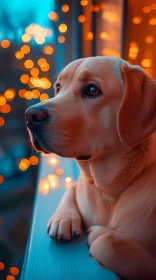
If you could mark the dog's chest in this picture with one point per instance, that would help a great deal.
(92, 205)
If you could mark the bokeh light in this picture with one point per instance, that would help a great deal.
(59, 171)
(28, 63)
(19, 54)
(53, 16)
(21, 92)
(33, 160)
(25, 49)
(65, 8)
(48, 50)
(61, 39)
(9, 94)
(81, 18)
(2, 100)
(26, 38)
(62, 28)
(42, 62)
(1, 263)
(10, 277)
(40, 39)
(84, 2)
(149, 39)
(14, 271)
(28, 95)
(36, 93)
(34, 72)
(2, 121)
(152, 21)
(5, 44)
(104, 35)
(137, 20)
(44, 96)
(90, 36)
(24, 78)
(5, 108)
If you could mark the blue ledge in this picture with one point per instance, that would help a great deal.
(44, 259)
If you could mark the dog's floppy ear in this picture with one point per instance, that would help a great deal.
(136, 119)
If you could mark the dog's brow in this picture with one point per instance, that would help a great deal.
(83, 75)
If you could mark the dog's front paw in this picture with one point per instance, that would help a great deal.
(94, 233)
(64, 226)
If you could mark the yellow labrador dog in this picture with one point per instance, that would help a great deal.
(104, 115)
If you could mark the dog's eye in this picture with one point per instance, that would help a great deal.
(57, 87)
(92, 91)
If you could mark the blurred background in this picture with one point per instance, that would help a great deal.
(37, 39)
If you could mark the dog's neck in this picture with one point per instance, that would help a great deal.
(115, 174)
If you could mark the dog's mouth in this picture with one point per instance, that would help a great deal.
(84, 157)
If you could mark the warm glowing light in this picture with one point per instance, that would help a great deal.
(42, 62)
(2, 121)
(25, 162)
(34, 72)
(111, 52)
(81, 18)
(30, 29)
(104, 35)
(26, 38)
(28, 95)
(152, 21)
(33, 160)
(53, 161)
(45, 83)
(94, 8)
(153, 6)
(90, 36)
(59, 171)
(61, 39)
(19, 55)
(24, 78)
(1, 264)
(133, 50)
(22, 166)
(2, 100)
(48, 32)
(110, 16)
(65, 8)
(10, 277)
(84, 2)
(146, 10)
(36, 93)
(14, 270)
(5, 108)
(21, 93)
(5, 44)
(62, 28)
(43, 186)
(40, 39)
(137, 20)
(25, 49)
(53, 180)
(53, 16)
(149, 39)
(68, 179)
(48, 50)
(45, 68)
(44, 96)
(28, 63)
(9, 93)
(146, 62)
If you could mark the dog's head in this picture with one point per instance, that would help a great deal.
(99, 104)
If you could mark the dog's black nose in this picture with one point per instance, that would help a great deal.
(35, 116)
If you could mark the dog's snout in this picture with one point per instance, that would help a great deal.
(35, 116)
